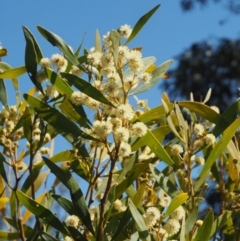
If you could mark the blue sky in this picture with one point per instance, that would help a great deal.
(167, 34)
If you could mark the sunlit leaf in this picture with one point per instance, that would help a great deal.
(61, 85)
(208, 95)
(41, 212)
(115, 38)
(141, 22)
(142, 229)
(98, 45)
(4, 235)
(176, 202)
(65, 203)
(13, 73)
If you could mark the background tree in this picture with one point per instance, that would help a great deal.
(203, 65)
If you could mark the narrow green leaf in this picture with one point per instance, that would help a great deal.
(204, 231)
(176, 202)
(77, 236)
(157, 148)
(220, 146)
(229, 116)
(170, 121)
(115, 38)
(208, 95)
(3, 93)
(219, 222)
(98, 45)
(159, 133)
(2, 168)
(65, 203)
(48, 237)
(4, 74)
(142, 229)
(8, 235)
(203, 110)
(164, 182)
(32, 58)
(53, 117)
(76, 194)
(155, 114)
(60, 84)
(157, 74)
(41, 212)
(191, 219)
(141, 22)
(86, 88)
(26, 120)
(55, 40)
(134, 173)
(182, 233)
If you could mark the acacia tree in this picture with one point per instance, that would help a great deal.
(137, 188)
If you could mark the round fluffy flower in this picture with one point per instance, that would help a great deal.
(176, 149)
(199, 222)
(102, 128)
(123, 52)
(164, 199)
(198, 129)
(124, 149)
(161, 234)
(121, 134)
(139, 129)
(145, 77)
(51, 91)
(124, 112)
(187, 157)
(59, 61)
(135, 60)
(107, 40)
(73, 221)
(118, 205)
(172, 226)
(151, 216)
(200, 160)
(94, 58)
(107, 60)
(125, 30)
(45, 62)
(209, 139)
(112, 77)
(78, 98)
(41, 76)
(111, 88)
(75, 70)
(116, 123)
(198, 144)
(178, 213)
